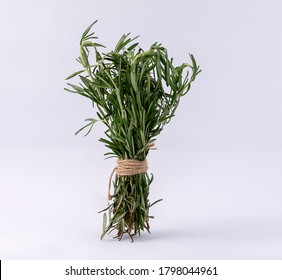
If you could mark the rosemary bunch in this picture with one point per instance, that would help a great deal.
(136, 93)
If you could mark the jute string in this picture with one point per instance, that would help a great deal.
(129, 167)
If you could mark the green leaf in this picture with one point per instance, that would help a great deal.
(120, 42)
(75, 87)
(133, 46)
(87, 30)
(91, 123)
(117, 218)
(84, 57)
(104, 222)
(74, 74)
(133, 80)
(91, 44)
(159, 200)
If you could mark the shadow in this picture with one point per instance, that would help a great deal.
(230, 229)
(241, 229)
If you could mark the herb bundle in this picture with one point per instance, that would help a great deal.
(136, 93)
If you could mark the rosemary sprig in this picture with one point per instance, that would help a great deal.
(136, 93)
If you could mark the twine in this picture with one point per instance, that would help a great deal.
(129, 167)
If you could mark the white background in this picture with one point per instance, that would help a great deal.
(218, 163)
